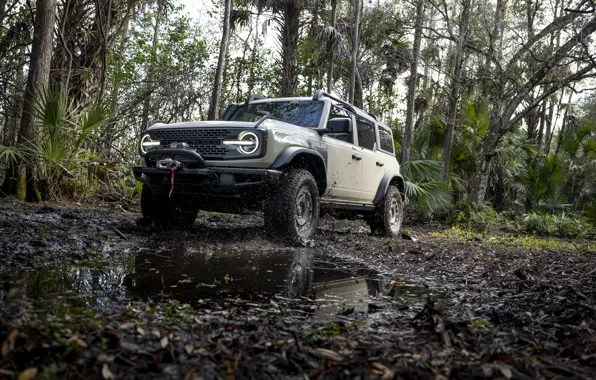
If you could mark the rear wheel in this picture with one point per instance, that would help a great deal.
(388, 217)
(170, 212)
(293, 211)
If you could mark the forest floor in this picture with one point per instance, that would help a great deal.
(98, 293)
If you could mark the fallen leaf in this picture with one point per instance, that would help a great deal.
(188, 349)
(28, 374)
(505, 370)
(164, 342)
(324, 353)
(126, 326)
(156, 333)
(8, 344)
(140, 331)
(106, 373)
(203, 351)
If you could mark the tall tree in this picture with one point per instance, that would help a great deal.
(510, 106)
(150, 79)
(412, 81)
(289, 29)
(221, 60)
(332, 43)
(37, 79)
(354, 52)
(455, 86)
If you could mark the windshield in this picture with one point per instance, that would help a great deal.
(304, 113)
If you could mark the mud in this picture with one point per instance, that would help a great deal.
(95, 293)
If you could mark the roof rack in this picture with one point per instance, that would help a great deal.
(253, 97)
(322, 93)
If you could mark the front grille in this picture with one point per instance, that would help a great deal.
(205, 141)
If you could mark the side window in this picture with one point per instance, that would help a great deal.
(339, 112)
(366, 133)
(386, 140)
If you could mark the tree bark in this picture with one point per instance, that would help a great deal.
(37, 80)
(455, 85)
(412, 82)
(354, 53)
(330, 69)
(290, 34)
(213, 112)
(151, 67)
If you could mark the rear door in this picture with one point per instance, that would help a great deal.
(344, 170)
(372, 167)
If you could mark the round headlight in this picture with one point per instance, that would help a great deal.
(251, 142)
(146, 144)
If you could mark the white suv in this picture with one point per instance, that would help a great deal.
(289, 157)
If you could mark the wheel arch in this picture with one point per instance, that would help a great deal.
(393, 178)
(297, 157)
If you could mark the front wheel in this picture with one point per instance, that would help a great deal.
(293, 212)
(389, 215)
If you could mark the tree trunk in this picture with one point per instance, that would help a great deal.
(221, 61)
(37, 80)
(354, 53)
(290, 34)
(331, 48)
(151, 67)
(412, 82)
(455, 85)
(312, 34)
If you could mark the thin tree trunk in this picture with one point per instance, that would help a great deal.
(213, 112)
(412, 82)
(455, 85)
(549, 126)
(151, 67)
(37, 80)
(331, 48)
(354, 53)
(541, 134)
(312, 34)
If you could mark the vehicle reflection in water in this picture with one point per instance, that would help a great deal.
(194, 272)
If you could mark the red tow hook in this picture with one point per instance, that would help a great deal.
(173, 170)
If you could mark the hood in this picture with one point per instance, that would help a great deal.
(203, 124)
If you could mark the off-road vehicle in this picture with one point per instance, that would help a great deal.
(292, 158)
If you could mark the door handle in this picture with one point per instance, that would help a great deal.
(356, 157)
(380, 163)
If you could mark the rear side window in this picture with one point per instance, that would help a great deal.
(366, 133)
(386, 140)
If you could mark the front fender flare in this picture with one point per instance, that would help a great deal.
(392, 178)
(314, 162)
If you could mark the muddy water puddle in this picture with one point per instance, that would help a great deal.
(196, 273)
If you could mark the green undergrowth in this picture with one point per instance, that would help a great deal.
(484, 219)
(523, 242)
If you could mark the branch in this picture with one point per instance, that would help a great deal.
(557, 24)
(582, 74)
(557, 57)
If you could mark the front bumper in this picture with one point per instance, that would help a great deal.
(194, 177)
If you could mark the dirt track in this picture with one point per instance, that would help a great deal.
(95, 293)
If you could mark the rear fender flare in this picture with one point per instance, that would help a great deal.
(393, 178)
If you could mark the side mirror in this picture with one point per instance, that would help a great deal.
(338, 125)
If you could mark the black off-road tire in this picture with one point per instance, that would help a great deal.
(389, 215)
(292, 212)
(168, 212)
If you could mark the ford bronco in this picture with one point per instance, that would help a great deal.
(292, 158)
